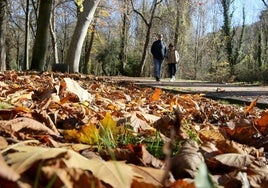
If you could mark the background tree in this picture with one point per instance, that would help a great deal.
(232, 51)
(52, 31)
(41, 39)
(3, 25)
(83, 22)
(265, 2)
(25, 65)
(149, 24)
(124, 35)
(196, 27)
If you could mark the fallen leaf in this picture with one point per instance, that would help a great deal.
(88, 134)
(108, 123)
(186, 162)
(251, 106)
(263, 120)
(6, 172)
(25, 126)
(156, 94)
(117, 174)
(73, 87)
(72, 177)
(234, 160)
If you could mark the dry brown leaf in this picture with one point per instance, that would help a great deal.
(25, 126)
(6, 172)
(71, 177)
(234, 160)
(241, 130)
(138, 124)
(186, 162)
(73, 87)
(210, 135)
(10, 113)
(147, 177)
(3, 143)
(117, 174)
(150, 160)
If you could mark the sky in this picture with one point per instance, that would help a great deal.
(252, 11)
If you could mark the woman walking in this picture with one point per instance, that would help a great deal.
(173, 59)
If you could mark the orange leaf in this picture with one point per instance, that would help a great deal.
(156, 94)
(263, 120)
(251, 106)
(182, 184)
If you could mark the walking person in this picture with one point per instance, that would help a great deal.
(173, 59)
(158, 50)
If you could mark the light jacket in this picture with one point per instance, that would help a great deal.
(173, 56)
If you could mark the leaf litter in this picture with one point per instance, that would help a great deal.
(75, 130)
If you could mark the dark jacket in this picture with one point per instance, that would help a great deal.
(158, 49)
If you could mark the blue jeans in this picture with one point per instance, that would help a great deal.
(157, 67)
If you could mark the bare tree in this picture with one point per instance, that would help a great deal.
(3, 19)
(53, 35)
(148, 24)
(89, 43)
(80, 32)
(265, 2)
(25, 64)
(41, 39)
(123, 35)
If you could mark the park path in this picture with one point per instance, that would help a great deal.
(240, 93)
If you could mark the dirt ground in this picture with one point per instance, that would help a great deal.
(239, 93)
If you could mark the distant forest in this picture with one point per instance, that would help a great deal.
(113, 37)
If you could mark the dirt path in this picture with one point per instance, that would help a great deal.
(234, 93)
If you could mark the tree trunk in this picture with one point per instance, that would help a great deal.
(231, 52)
(89, 43)
(53, 36)
(123, 40)
(25, 65)
(3, 19)
(40, 43)
(148, 32)
(75, 48)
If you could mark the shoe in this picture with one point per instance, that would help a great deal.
(157, 79)
(172, 79)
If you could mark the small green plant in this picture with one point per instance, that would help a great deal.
(223, 101)
(4, 105)
(193, 135)
(155, 145)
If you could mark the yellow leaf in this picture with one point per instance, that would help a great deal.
(79, 4)
(108, 123)
(88, 134)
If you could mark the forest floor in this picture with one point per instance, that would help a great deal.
(236, 93)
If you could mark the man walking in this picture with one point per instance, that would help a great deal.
(158, 50)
